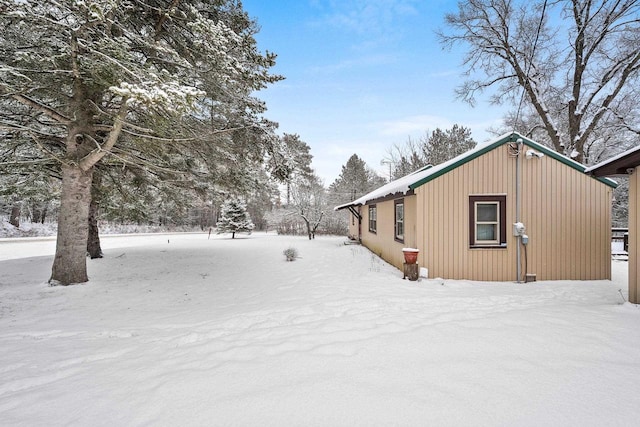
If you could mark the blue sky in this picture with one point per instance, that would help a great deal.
(362, 75)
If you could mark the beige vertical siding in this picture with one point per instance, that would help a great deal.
(353, 225)
(443, 212)
(382, 242)
(568, 219)
(634, 240)
(567, 215)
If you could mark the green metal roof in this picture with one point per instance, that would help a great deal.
(452, 164)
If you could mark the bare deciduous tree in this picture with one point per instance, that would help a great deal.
(308, 196)
(576, 61)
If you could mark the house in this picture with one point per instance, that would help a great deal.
(508, 210)
(627, 163)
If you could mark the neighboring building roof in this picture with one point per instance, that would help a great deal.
(618, 165)
(408, 183)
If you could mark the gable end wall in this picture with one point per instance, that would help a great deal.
(567, 215)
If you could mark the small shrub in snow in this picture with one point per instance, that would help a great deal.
(291, 254)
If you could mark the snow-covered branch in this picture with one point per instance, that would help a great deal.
(96, 155)
(50, 112)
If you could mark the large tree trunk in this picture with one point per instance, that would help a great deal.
(93, 241)
(36, 212)
(14, 217)
(45, 210)
(70, 262)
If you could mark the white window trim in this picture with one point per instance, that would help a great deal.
(373, 219)
(495, 223)
(396, 222)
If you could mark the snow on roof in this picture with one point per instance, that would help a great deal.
(403, 185)
(400, 185)
(613, 159)
(406, 183)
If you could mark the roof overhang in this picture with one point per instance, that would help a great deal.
(390, 196)
(513, 137)
(385, 198)
(406, 185)
(622, 164)
(349, 206)
(352, 207)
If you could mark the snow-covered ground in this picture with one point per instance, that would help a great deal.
(182, 330)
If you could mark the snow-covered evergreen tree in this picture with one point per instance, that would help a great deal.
(291, 161)
(234, 218)
(355, 180)
(162, 89)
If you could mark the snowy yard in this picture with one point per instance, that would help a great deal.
(179, 330)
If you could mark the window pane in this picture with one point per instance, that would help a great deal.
(373, 214)
(399, 221)
(487, 212)
(487, 232)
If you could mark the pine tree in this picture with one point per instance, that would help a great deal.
(234, 218)
(446, 144)
(355, 180)
(291, 161)
(431, 149)
(154, 86)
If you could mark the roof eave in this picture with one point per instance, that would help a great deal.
(346, 206)
(390, 196)
(621, 165)
(511, 138)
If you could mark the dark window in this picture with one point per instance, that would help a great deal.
(399, 220)
(487, 221)
(373, 218)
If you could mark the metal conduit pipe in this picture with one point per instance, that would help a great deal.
(520, 145)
